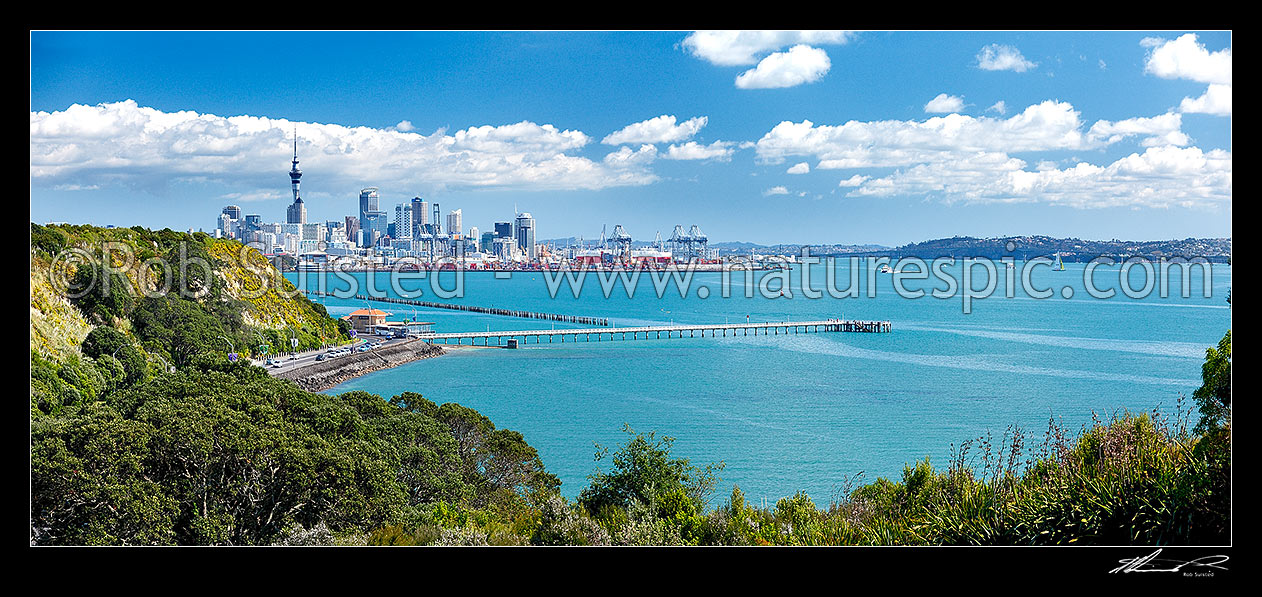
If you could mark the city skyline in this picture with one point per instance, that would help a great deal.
(766, 137)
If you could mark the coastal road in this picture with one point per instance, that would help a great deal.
(306, 358)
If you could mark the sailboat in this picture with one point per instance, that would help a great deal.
(1060, 265)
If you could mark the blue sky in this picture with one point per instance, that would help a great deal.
(815, 137)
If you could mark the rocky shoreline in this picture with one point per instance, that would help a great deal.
(321, 376)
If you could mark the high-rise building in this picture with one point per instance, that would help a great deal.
(503, 230)
(297, 212)
(454, 224)
(420, 216)
(352, 228)
(402, 221)
(225, 226)
(233, 212)
(372, 221)
(526, 235)
(488, 242)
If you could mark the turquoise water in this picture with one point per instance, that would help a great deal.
(804, 411)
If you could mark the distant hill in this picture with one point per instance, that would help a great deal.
(1070, 249)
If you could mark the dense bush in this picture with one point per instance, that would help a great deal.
(233, 456)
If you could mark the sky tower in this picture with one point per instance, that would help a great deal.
(297, 212)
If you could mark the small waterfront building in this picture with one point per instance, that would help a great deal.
(364, 319)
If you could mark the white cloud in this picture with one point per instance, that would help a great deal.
(1158, 130)
(853, 181)
(736, 48)
(625, 158)
(661, 129)
(943, 104)
(692, 150)
(1000, 107)
(801, 64)
(799, 168)
(1216, 100)
(1186, 58)
(1000, 57)
(405, 126)
(775, 191)
(1050, 125)
(964, 158)
(146, 148)
(1159, 177)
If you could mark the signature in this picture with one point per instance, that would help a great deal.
(1150, 563)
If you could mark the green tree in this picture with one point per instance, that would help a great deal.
(1214, 395)
(644, 472)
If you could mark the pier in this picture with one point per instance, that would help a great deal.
(662, 332)
(579, 319)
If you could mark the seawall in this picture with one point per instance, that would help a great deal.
(323, 375)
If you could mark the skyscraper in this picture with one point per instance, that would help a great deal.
(503, 230)
(233, 212)
(402, 221)
(420, 216)
(372, 221)
(352, 229)
(454, 224)
(526, 235)
(369, 201)
(297, 212)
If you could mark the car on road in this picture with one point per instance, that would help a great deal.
(320, 357)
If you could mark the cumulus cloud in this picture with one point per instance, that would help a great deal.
(1216, 100)
(1158, 130)
(964, 158)
(1159, 177)
(625, 158)
(775, 191)
(853, 181)
(801, 64)
(1000, 57)
(1050, 125)
(1187, 58)
(661, 129)
(405, 126)
(1000, 108)
(943, 104)
(799, 168)
(692, 150)
(130, 144)
(738, 48)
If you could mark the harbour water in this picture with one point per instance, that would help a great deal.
(804, 412)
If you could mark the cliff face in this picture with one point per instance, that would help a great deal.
(149, 262)
(57, 326)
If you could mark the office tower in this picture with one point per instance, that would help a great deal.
(224, 226)
(454, 225)
(352, 229)
(420, 216)
(403, 227)
(526, 235)
(233, 212)
(488, 242)
(297, 212)
(369, 202)
(503, 230)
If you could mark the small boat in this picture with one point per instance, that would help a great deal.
(886, 269)
(1060, 265)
